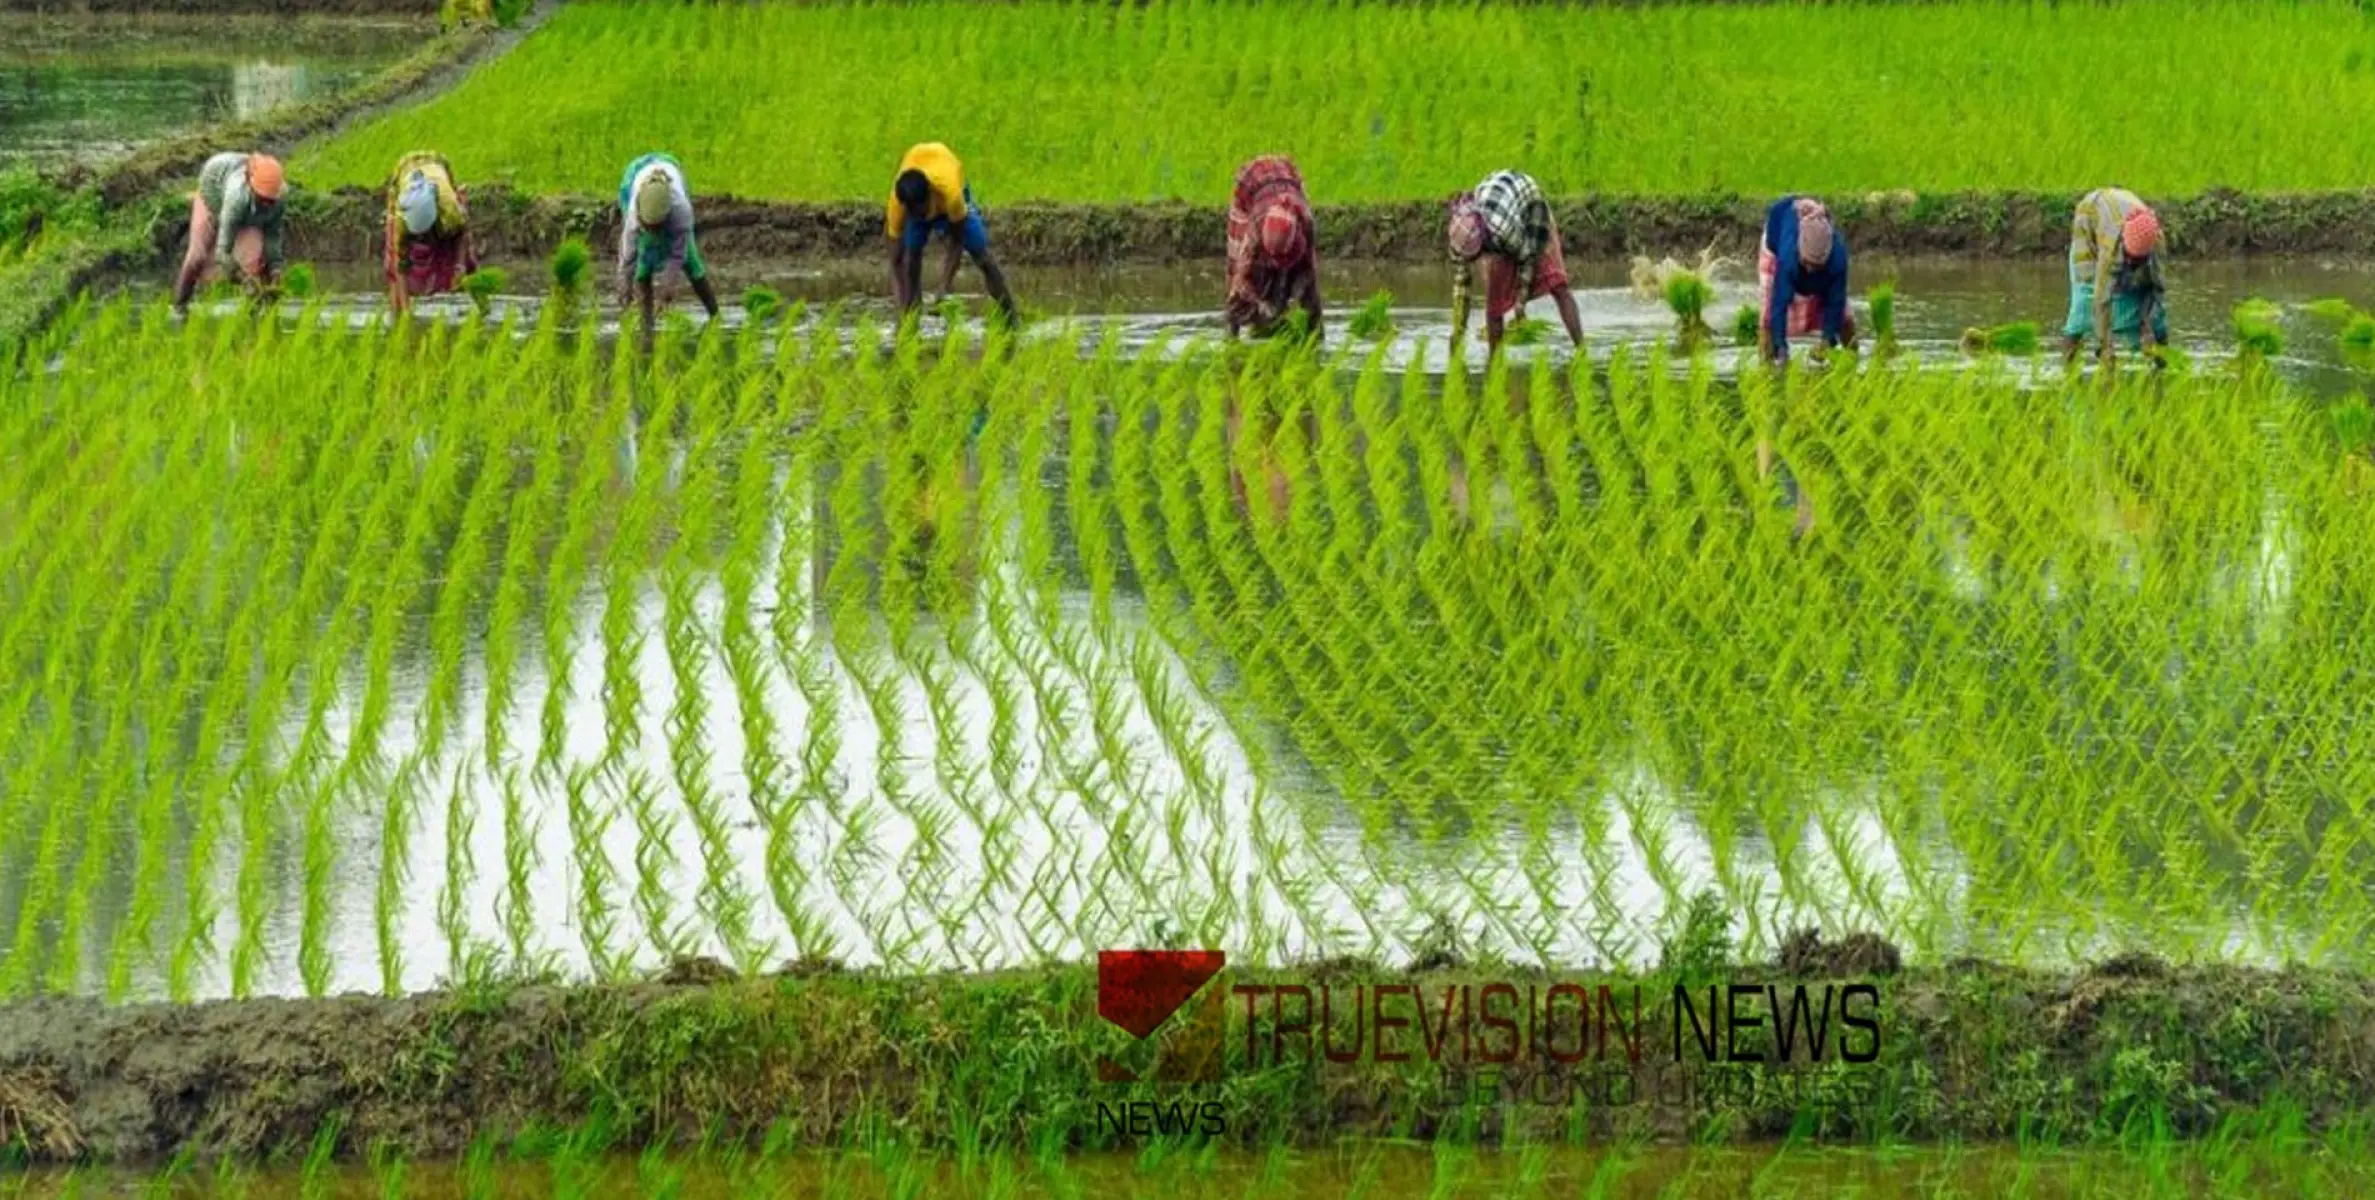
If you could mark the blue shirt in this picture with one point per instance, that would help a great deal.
(1792, 278)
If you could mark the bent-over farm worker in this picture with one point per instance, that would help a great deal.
(930, 196)
(1505, 225)
(236, 217)
(2115, 275)
(1801, 278)
(656, 233)
(1272, 264)
(428, 230)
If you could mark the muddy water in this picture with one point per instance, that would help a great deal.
(1937, 299)
(1352, 1169)
(94, 88)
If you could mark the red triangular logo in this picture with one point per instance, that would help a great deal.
(1140, 989)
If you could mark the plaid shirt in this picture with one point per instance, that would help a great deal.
(1517, 226)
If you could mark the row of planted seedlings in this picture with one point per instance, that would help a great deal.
(370, 662)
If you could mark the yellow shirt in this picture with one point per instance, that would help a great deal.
(948, 187)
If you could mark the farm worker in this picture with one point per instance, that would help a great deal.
(235, 216)
(1507, 225)
(930, 196)
(1272, 266)
(428, 234)
(656, 233)
(2115, 275)
(1801, 278)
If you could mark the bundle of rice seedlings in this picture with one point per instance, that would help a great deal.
(2258, 332)
(1688, 294)
(571, 260)
(2353, 423)
(298, 281)
(1744, 325)
(483, 284)
(1375, 320)
(2332, 308)
(2019, 337)
(761, 302)
(1525, 331)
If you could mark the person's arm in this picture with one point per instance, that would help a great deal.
(1459, 301)
(1565, 298)
(948, 266)
(626, 256)
(388, 261)
(899, 274)
(1785, 294)
(2106, 259)
(643, 300)
(2148, 307)
(1834, 297)
(276, 246)
(227, 222)
(914, 279)
(1311, 304)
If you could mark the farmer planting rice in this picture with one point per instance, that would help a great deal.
(428, 230)
(2115, 275)
(656, 233)
(235, 217)
(1507, 225)
(1801, 278)
(930, 196)
(1272, 263)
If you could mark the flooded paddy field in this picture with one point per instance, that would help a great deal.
(1143, 305)
(90, 89)
(366, 663)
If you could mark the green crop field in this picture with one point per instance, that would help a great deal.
(1133, 103)
(348, 661)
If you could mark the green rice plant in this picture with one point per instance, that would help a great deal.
(2258, 330)
(2018, 338)
(2358, 333)
(2332, 308)
(761, 302)
(572, 261)
(1687, 296)
(1525, 331)
(483, 285)
(1744, 326)
(1374, 320)
(297, 282)
(1198, 78)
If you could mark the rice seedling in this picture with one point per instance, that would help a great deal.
(483, 285)
(1374, 320)
(2259, 332)
(1744, 326)
(2016, 338)
(571, 260)
(761, 302)
(297, 282)
(1881, 302)
(1687, 295)
(1525, 331)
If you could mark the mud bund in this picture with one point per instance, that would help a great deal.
(1967, 1050)
(327, 8)
(346, 226)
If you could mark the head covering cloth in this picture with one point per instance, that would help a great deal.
(264, 176)
(2140, 234)
(1814, 232)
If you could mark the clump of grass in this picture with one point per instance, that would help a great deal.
(2258, 329)
(1744, 326)
(483, 284)
(761, 302)
(1375, 320)
(571, 260)
(298, 282)
(2018, 337)
(1883, 303)
(1687, 294)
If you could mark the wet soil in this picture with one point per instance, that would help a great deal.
(410, 8)
(1966, 1050)
(346, 224)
